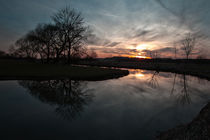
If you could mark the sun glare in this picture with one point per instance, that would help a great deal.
(139, 56)
(142, 47)
(139, 75)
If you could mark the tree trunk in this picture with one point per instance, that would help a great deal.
(69, 53)
(48, 54)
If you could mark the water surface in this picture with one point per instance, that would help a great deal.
(137, 106)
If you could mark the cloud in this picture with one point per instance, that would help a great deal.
(141, 32)
(165, 50)
(97, 41)
(179, 14)
(113, 44)
(118, 51)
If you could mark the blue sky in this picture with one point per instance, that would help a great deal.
(121, 27)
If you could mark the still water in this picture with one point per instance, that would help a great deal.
(137, 106)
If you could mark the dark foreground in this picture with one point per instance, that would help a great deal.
(198, 129)
(23, 70)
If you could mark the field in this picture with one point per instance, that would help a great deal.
(23, 70)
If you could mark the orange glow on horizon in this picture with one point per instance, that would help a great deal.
(144, 57)
(138, 53)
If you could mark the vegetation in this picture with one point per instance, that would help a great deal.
(188, 44)
(198, 129)
(23, 70)
(65, 38)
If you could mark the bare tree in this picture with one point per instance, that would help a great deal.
(65, 38)
(25, 48)
(43, 37)
(91, 54)
(201, 56)
(175, 49)
(71, 31)
(188, 44)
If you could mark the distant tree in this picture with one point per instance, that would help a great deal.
(91, 54)
(154, 54)
(201, 56)
(43, 38)
(175, 49)
(2, 53)
(24, 48)
(71, 31)
(12, 50)
(188, 44)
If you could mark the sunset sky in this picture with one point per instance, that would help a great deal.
(120, 27)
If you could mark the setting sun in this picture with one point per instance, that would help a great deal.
(143, 57)
(142, 47)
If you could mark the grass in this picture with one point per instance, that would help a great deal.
(22, 70)
(197, 129)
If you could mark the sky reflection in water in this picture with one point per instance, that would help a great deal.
(133, 107)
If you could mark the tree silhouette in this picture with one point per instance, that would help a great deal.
(188, 44)
(71, 31)
(64, 38)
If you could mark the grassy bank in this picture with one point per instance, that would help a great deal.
(198, 129)
(195, 69)
(23, 70)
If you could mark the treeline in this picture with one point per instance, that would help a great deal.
(157, 60)
(62, 39)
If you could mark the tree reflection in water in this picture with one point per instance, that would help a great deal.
(68, 96)
(174, 83)
(153, 81)
(183, 95)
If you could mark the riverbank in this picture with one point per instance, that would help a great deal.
(195, 69)
(198, 129)
(23, 70)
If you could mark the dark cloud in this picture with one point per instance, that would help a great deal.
(119, 51)
(140, 33)
(113, 44)
(147, 35)
(178, 12)
(97, 41)
(167, 49)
